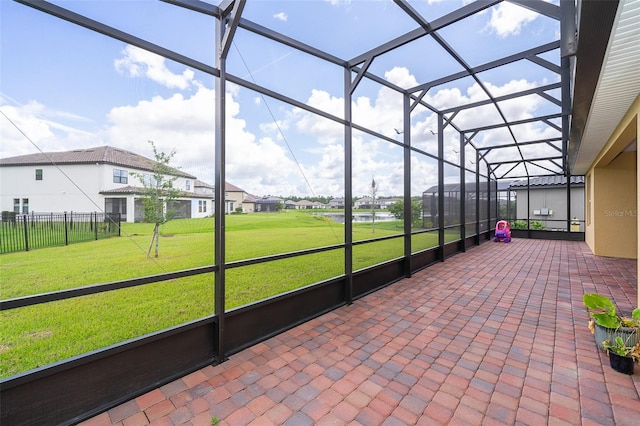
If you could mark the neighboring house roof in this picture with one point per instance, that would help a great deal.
(454, 187)
(232, 188)
(549, 181)
(200, 184)
(137, 190)
(97, 155)
(268, 200)
(303, 203)
(250, 198)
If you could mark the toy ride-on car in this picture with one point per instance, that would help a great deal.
(503, 232)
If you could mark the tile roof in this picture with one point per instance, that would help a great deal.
(99, 155)
(549, 181)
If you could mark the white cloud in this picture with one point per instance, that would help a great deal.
(185, 124)
(33, 126)
(141, 63)
(508, 19)
(281, 16)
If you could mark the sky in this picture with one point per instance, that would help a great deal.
(64, 87)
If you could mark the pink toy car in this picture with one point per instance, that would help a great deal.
(503, 232)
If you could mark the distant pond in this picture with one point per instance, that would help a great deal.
(359, 217)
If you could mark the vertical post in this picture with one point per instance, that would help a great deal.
(566, 109)
(95, 223)
(26, 233)
(488, 231)
(219, 191)
(568, 202)
(441, 223)
(66, 230)
(478, 193)
(528, 207)
(408, 205)
(348, 192)
(463, 195)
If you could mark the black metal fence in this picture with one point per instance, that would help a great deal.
(27, 232)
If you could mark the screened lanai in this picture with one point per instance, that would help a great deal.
(254, 103)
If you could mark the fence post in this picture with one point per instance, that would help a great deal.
(119, 223)
(66, 230)
(26, 233)
(95, 224)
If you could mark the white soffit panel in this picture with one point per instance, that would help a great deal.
(618, 86)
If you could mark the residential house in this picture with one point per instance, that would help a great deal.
(336, 203)
(547, 201)
(365, 203)
(307, 205)
(102, 178)
(385, 203)
(269, 204)
(237, 198)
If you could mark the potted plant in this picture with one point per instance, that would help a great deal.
(621, 356)
(606, 323)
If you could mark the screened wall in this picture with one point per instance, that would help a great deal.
(255, 105)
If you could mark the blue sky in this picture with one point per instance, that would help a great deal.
(67, 88)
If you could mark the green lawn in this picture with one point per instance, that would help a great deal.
(41, 334)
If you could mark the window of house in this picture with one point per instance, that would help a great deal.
(148, 181)
(38, 174)
(16, 205)
(188, 185)
(25, 206)
(120, 176)
(202, 206)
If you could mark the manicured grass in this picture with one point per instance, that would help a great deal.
(42, 334)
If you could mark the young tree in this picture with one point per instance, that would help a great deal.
(158, 194)
(397, 210)
(373, 193)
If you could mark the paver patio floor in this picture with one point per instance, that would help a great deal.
(497, 335)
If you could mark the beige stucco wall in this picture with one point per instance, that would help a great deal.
(611, 193)
(614, 210)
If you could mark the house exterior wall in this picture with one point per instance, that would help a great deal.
(55, 192)
(614, 208)
(612, 227)
(233, 200)
(555, 200)
(74, 187)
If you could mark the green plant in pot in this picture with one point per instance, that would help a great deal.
(621, 356)
(606, 322)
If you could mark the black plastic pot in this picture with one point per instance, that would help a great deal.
(622, 364)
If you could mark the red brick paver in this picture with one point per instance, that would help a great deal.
(461, 342)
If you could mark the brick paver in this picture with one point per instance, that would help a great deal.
(461, 342)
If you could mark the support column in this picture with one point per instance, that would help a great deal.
(348, 193)
(408, 211)
(440, 188)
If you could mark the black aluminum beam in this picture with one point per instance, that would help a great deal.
(541, 7)
(513, 123)
(291, 42)
(535, 91)
(197, 6)
(230, 27)
(448, 19)
(489, 65)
